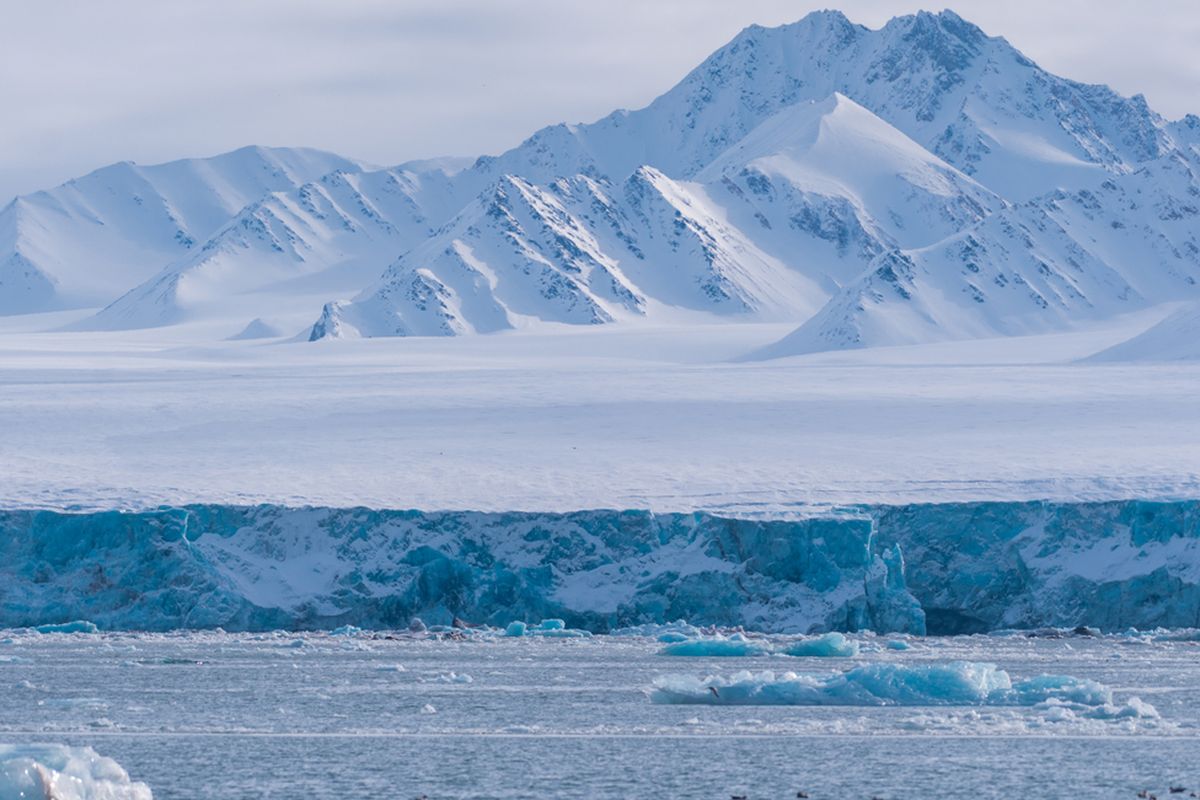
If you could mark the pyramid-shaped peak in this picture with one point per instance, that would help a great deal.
(834, 123)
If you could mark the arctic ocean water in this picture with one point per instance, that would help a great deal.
(274, 715)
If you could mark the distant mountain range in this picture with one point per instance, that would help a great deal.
(915, 183)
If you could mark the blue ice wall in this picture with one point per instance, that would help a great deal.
(1109, 565)
(949, 567)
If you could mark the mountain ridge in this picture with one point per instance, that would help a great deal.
(917, 181)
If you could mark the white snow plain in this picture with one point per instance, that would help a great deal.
(564, 417)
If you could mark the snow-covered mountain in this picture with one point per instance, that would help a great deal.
(770, 227)
(327, 235)
(84, 242)
(925, 181)
(972, 99)
(917, 182)
(1066, 258)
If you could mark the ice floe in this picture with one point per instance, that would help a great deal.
(39, 771)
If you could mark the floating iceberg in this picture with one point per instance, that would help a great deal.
(656, 630)
(829, 645)
(955, 683)
(40, 771)
(548, 628)
(718, 647)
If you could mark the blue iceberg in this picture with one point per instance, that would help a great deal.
(834, 645)
(718, 647)
(958, 683)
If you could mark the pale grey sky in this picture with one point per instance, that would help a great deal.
(83, 84)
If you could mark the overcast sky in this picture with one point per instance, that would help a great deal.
(84, 84)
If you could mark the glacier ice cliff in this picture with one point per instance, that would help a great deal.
(944, 568)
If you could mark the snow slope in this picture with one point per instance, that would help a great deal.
(1175, 338)
(84, 242)
(635, 416)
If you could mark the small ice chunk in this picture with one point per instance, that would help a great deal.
(390, 668)
(897, 644)
(346, 630)
(716, 647)
(552, 625)
(416, 625)
(451, 677)
(515, 628)
(1060, 687)
(670, 637)
(428, 709)
(78, 626)
(830, 645)
(563, 633)
(64, 773)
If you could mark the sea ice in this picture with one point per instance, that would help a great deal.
(42, 771)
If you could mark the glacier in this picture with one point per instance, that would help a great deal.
(936, 568)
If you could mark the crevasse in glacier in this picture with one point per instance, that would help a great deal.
(955, 567)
